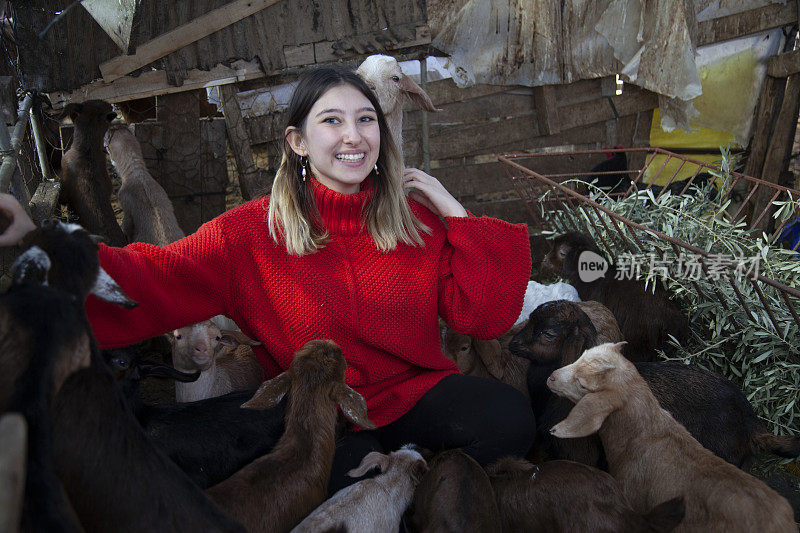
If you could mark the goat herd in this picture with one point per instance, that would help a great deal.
(631, 446)
(624, 442)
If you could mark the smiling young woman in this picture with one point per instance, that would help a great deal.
(350, 247)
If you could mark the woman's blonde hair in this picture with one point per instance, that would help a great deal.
(293, 214)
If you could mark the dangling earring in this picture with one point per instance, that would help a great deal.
(376, 169)
(303, 168)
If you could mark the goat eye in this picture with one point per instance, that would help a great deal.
(217, 338)
(179, 337)
(463, 349)
(395, 78)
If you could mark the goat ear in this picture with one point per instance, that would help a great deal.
(416, 94)
(111, 116)
(270, 393)
(353, 405)
(107, 290)
(490, 353)
(574, 345)
(587, 416)
(70, 110)
(235, 338)
(418, 469)
(370, 461)
(31, 267)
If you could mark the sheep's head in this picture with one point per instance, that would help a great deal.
(556, 333)
(565, 251)
(317, 367)
(383, 75)
(74, 266)
(596, 382)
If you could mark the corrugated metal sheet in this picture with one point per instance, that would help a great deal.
(72, 51)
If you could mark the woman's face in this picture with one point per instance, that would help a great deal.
(341, 138)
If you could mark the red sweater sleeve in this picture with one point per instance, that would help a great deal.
(179, 284)
(483, 274)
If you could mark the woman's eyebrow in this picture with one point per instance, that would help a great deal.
(335, 110)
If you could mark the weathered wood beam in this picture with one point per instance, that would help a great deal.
(544, 98)
(154, 83)
(181, 36)
(251, 180)
(784, 65)
(746, 23)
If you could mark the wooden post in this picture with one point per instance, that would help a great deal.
(251, 180)
(544, 98)
(426, 154)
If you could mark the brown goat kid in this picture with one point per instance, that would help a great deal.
(147, 211)
(455, 495)
(275, 492)
(85, 185)
(653, 457)
(646, 318)
(487, 358)
(564, 496)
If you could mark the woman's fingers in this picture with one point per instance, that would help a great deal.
(19, 222)
(437, 198)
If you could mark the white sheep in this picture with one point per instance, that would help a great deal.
(383, 75)
(225, 360)
(371, 505)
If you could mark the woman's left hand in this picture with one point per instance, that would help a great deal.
(428, 191)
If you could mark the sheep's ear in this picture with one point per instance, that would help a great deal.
(370, 461)
(270, 393)
(418, 469)
(587, 416)
(353, 405)
(417, 95)
(490, 353)
(235, 338)
(107, 290)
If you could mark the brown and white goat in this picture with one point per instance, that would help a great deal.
(653, 457)
(225, 360)
(646, 318)
(565, 496)
(710, 407)
(375, 504)
(385, 77)
(147, 211)
(275, 492)
(85, 185)
(455, 495)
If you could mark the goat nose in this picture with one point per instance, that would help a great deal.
(201, 348)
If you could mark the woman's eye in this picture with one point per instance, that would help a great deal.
(330, 120)
(366, 119)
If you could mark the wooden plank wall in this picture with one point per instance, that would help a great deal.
(478, 123)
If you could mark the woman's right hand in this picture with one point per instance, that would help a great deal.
(20, 224)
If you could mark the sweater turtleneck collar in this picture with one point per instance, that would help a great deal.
(341, 213)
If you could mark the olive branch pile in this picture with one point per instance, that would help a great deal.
(744, 347)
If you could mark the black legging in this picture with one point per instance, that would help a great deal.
(486, 418)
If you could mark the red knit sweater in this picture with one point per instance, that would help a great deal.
(380, 307)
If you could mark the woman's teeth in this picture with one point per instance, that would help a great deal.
(350, 157)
